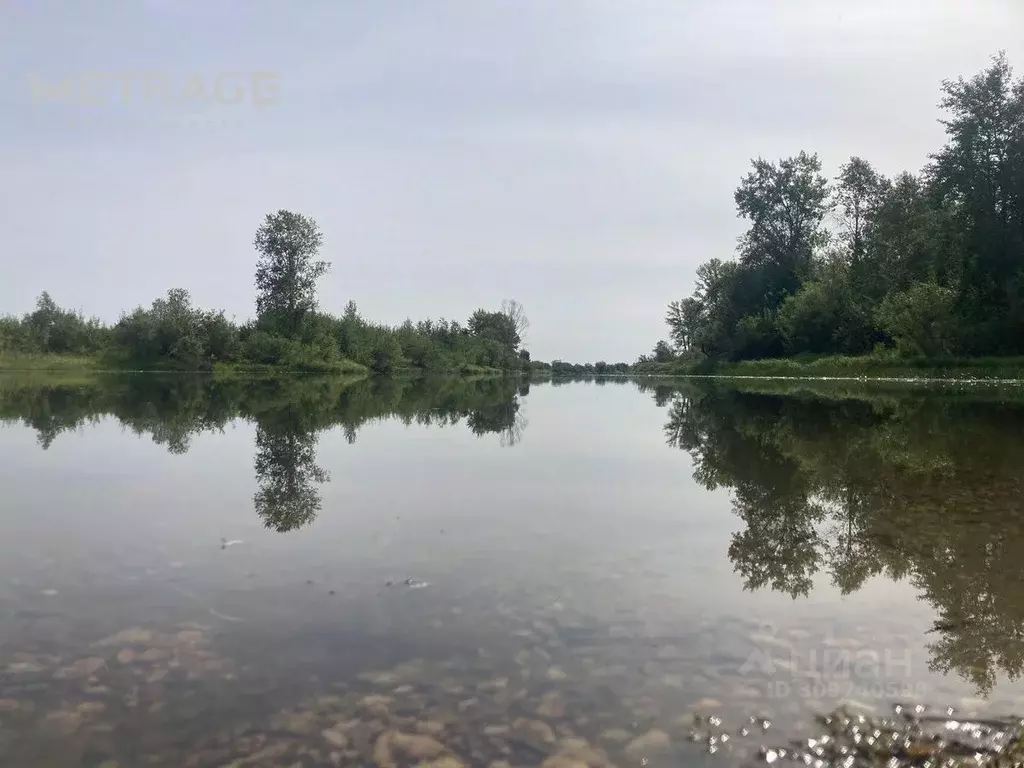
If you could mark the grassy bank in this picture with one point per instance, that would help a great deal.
(85, 363)
(96, 364)
(49, 363)
(341, 366)
(836, 366)
(887, 392)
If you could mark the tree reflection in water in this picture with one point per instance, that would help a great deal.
(289, 412)
(926, 486)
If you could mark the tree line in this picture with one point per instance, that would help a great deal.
(920, 264)
(289, 329)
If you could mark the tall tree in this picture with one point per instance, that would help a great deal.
(981, 172)
(858, 189)
(517, 318)
(786, 204)
(287, 270)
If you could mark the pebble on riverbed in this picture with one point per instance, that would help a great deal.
(530, 704)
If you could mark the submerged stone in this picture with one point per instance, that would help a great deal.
(652, 742)
(617, 735)
(132, 636)
(62, 723)
(556, 674)
(552, 705)
(534, 730)
(335, 738)
(81, 668)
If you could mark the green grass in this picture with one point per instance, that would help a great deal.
(837, 366)
(881, 391)
(20, 362)
(342, 365)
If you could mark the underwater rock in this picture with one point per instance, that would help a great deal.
(652, 742)
(432, 727)
(620, 735)
(534, 730)
(335, 738)
(417, 745)
(189, 637)
(552, 705)
(708, 704)
(556, 674)
(62, 724)
(563, 761)
(300, 724)
(376, 703)
(495, 684)
(382, 755)
(132, 636)
(444, 762)
(379, 678)
(81, 668)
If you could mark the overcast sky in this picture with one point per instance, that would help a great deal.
(577, 155)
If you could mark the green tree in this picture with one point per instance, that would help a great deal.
(287, 270)
(786, 204)
(663, 352)
(858, 191)
(980, 172)
(810, 317)
(920, 320)
(173, 331)
(496, 326)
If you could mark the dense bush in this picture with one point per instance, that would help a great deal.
(172, 333)
(52, 330)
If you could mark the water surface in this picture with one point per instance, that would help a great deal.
(306, 572)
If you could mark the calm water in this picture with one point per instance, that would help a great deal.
(305, 572)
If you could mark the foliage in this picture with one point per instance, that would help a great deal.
(928, 264)
(920, 319)
(175, 333)
(288, 332)
(52, 330)
(601, 368)
(287, 270)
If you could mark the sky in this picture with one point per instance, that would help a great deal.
(579, 156)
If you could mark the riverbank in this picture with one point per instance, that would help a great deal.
(85, 364)
(835, 366)
(869, 367)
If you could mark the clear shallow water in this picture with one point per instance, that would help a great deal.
(600, 561)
